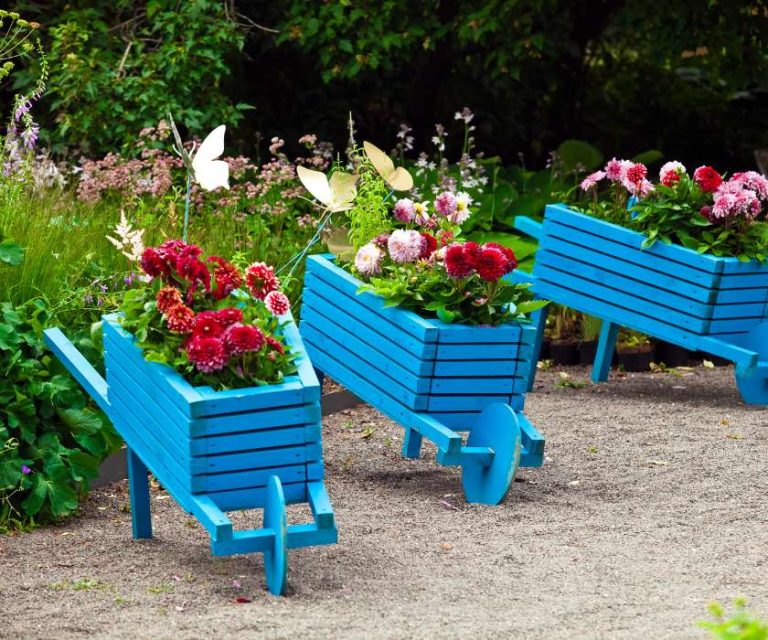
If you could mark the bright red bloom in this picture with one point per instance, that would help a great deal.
(277, 303)
(240, 338)
(491, 264)
(472, 249)
(707, 178)
(445, 238)
(207, 354)
(261, 280)
(459, 263)
(152, 263)
(510, 255)
(167, 298)
(226, 276)
(208, 324)
(636, 173)
(180, 319)
(430, 245)
(229, 316)
(275, 344)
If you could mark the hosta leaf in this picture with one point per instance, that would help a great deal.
(81, 420)
(11, 253)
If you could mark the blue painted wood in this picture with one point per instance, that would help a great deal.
(138, 484)
(606, 345)
(697, 301)
(422, 374)
(276, 521)
(217, 451)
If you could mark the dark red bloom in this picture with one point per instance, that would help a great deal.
(510, 255)
(240, 338)
(152, 263)
(444, 238)
(167, 298)
(180, 319)
(636, 173)
(208, 324)
(275, 344)
(472, 249)
(430, 245)
(261, 280)
(381, 240)
(229, 316)
(491, 264)
(207, 354)
(459, 263)
(707, 178)
(226, 276)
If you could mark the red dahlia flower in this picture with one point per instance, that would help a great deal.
(180, 319)
(207, 354)
(229, 316)
(240, 338)
(208, 324)
(261, 280)
(275, 345)
(510, 255)
(636, 173)
(707, 178)
(430, 245)
(459, 263)
(491, 264)
(167, 298)
(226, 276)
(152, 263)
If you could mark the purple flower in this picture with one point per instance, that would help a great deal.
(30, 135)
(25, 470)
(22, 109)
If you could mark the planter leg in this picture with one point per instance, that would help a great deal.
(138, 484)
(606, 345)
(411, 443)
(539, 319)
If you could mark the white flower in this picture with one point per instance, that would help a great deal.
(462, 213)
(129, 241)
(368, 259)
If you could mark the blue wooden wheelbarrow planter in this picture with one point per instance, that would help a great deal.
(433, 378)
(215, 451)
(700, 302)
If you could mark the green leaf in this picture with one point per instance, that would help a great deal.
(84, 421)
(446, 316)
(648, 157)
(579, 154)
(11, 253)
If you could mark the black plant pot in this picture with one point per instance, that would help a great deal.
(564, 352)
(636, 359)
(672, 355)
(715, 360)
(587, 351)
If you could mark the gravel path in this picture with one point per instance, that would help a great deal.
(651, 503)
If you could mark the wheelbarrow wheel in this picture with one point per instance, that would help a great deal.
(496, 427)
(276, 558)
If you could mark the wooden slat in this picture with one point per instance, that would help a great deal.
(476, 354)
(472, 402)
(262, 439)
(325, 270)
(253, 498)
(465, 386)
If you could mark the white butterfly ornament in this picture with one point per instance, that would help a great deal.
(209, 172)
(336, 194)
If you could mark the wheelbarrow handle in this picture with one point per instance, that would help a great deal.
(82, 370)
(529, 226)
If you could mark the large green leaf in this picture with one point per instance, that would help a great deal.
(522, 246)
(11, 253)
(648, 157)
(81, 420)
(577, 154)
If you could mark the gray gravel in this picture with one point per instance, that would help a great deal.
(651, 503)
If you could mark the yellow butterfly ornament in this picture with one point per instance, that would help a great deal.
(396, 177)
(336, 194)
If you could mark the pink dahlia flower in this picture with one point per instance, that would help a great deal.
(240, 339)
(405, 246)
(368, 259)
(591, 180)
(445, 204)
(207, 354)
(404, 210)
(277, 303)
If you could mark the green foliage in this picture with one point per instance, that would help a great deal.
(577, 155)
(430, 292)
(742, 624)
(169, 56)
(369, 216)
(51, 441)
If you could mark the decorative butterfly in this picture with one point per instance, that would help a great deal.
(208, 172)
(397, 178)
(336, 194)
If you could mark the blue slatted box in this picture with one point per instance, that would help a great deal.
(448, 371)
(664, 290)
(225, 444)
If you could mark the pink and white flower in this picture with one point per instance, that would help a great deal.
(277, 303)
(445, 204)
(368, 259)
(591, 180)
(670, 173)
(404, 210)
(405, 245)
(462, 212)
(421, 214)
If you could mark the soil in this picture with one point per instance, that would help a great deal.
(650, 504)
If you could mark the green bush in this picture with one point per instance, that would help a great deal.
(51, 441)
(742, 624)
